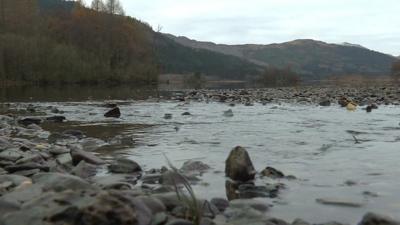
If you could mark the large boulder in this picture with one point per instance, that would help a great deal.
(375, 219)
(238, 165)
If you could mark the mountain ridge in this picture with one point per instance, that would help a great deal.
(312, 58)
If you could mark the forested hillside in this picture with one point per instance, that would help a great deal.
(55, 41)
(63, 42)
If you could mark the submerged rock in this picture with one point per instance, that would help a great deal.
(238, 166)
(29, 121)
(325, 103)
(168, 116)
(114, 113)
(56, 119)
(228, 113)
(272, 173)
(339, 202)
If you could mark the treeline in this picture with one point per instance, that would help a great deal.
(56, 41)
(277, 77)
(396, 71)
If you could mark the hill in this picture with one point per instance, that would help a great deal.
(313, 59)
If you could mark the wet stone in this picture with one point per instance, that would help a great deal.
(113, 113)
(11, 154)
(79, 155)
(238, 166)
(29, 121)
(272, 173)
(375, 219)
(56, 119)
(124, 166)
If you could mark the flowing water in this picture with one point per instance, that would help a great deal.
(315, 144)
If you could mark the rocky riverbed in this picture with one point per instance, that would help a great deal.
(107, 162)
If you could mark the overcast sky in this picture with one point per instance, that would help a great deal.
(372, 23)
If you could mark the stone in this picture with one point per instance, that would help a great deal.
(113, 113)
(300, 222)
(123, 165)
(56, 119)
(238, 166)
(179, 222)
(29, 121)
(8, 207)
(84, 170)
(194, 166)
(27, 166)
(339, 202)
(75, 133)
(186, 114)
(272, 173)
(375, 219)
(116, 180)
(168, 116)
(325, 103)
(78, 155)
(220, 203)
(12, 154)
(60, 182)
(228, 113)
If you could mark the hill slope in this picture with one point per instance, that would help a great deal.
(313, 59)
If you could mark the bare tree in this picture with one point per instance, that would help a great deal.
(98, 5)
(114, 7)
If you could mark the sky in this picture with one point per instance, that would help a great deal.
(374, 24)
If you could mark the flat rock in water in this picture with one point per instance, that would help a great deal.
(339, 202)
(238, 166)
(84, 170)
(56, 119)
(114, 113)
(272, 173)
(29, 121)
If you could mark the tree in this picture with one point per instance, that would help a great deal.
(396, 70)
(114, 7)
(98, 5)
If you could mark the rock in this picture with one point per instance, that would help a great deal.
(343, 102)
(238, 166)
(338, 202)
(272, 173)
(186, 114)
(300, 222)
(64, 159)
(79, 155)
(179, 222)
(60, 182)
(276, 221)
(194, 166)
(159, 219)
(75, 133)
(246, 212)
(84, 170)
(351, 106)
(116, 180)
(8, 207)
(375, 219)
(123, 165)
(27, 166)
(11, 154)
(228, 113)
(249, 190)
(114, 113)
(325, 103)
(27, 173)
(29, 121)
(168, 116)
(56, 119)
(220, 203)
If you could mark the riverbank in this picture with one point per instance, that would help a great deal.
(54, 170)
